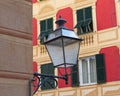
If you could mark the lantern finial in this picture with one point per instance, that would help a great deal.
(60, 22)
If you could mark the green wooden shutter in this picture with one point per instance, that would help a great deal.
(80, 15)
(75, 75)
(80, 21)
(43, 25)
(42, 30)
(100, 67)
(50, 24)
(47, 69)
(46, 26)
(88, 20)
(88, 13)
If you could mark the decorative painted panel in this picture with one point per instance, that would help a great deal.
(34, 1)
(67, 14)
(34, 30)
(68, 93)
(61, 83)
(112, 62)
(106, 15)
(89, 92)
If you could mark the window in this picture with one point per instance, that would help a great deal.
(84, 21)
(88, 71)
(46, 26)
(48, 69)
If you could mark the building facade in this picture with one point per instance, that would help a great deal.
(98, 23)
(15, 47)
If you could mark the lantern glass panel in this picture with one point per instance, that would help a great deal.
(55, 51)
(71, 47)
(63, 51)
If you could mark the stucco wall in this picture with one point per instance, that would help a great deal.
(15, 47)
(15, 14)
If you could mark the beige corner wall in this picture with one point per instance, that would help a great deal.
(15, 47)
(16, 14)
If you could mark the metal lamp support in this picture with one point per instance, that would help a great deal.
(54, 39)
(45, 79)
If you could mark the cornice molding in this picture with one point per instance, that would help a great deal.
(15, 33)
(15, 75)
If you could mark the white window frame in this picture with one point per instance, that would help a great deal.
(81, 72)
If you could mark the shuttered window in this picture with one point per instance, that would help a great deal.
(91, 71)
(84, 21)
(47, 69)
(46, 26)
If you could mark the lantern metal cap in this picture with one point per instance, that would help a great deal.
(62, 31)
(60, 22)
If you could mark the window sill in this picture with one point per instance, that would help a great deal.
(88, 84)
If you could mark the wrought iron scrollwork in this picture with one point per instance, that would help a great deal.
(43, 80)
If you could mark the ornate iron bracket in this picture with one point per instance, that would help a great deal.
(42, 79)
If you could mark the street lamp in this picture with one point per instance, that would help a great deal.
(63, 47)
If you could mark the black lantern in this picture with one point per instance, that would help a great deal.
(63, 46)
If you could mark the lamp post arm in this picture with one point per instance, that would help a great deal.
(44, 78)
(49, 75)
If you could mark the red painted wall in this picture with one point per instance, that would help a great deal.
(35, 70)
(67, 14)
(34, 1)
(112, 61)
(118, 65)
(106, 14)
(34, 30)
(35, 67)
(61, 83)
